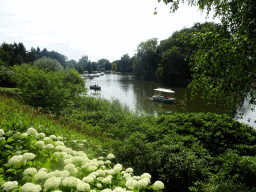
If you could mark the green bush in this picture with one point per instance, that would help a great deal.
(49, 90)
(49, 64)
(5, 77)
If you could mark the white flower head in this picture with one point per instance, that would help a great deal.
(29, 171)
(28, 156)
(119, 189)
(107, 162)
(88, 179)
(110, 156)
(49, 146)
(23, 135)
(107, 180)
(10, 185)
(99, 185)
(92, 168)
(1, 132)
(40, 144)
(158, 185)
(59, 143)
(142, 183)
(129, 170)
(30, 187)
(53, 182)
(59, 138)
(53, 137)
(146, 175)
(69, 182)
(81, 186)
(71, 168)
(17, 161)
(40, 136)
(41, 175)
(31, 131)
(131, 183)
(47, 139)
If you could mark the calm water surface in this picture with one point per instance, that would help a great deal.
(137, 95)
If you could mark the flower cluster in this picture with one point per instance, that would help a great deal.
(71, 161)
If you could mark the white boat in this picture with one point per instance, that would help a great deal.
(102, 73)
(95, 86)
(166, 98)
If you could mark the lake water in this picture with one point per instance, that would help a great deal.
(137, 94)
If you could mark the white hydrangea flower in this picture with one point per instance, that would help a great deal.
(81, 186)
(57, 191)
(92, 175)
(77, 159)
(75, 141)
(57, 154)
(47, 139)
(107, 180)
(126, 175)
(110, 156)
(68, 150)
(94, 163)
(24, 135)
(40, 144)
(106, 190)
(10, 185)
(100, 172)
(84, 141)
(101, 158)
(17, 161)
(129, 170)
(71, 168)
(41, 175)
(107, 162)
(103, 167)
(1, 132)
(136, 177)
(92, 168)
(29, 171)
(69, 182)
(28, 156)
(31, 131)
(86, 165)
(93, 191)
(68, 156)
(53, 137)
(100, 162)
(60, 148)
(145, 175)
(53, 182)
(131, 183)
(142, 183)
(49, 146)
(158, 185)
(59, 138)
(59, 143)
(99, 185)
(67, 161)
(30, 187)
(41, 136)
(81, 154)
(50, 174)
(88, 179)
(119, 189)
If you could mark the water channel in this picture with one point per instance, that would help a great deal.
(136, 95)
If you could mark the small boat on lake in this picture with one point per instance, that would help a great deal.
(96, 87)
(166, 98)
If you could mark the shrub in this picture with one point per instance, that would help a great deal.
(49, 64)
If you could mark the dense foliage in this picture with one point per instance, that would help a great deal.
(49, 90)
(48, 64)
(227, 53)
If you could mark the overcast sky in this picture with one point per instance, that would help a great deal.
(97, 28)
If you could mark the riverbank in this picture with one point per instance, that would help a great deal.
(177, 149)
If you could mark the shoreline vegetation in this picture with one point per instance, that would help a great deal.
(186, 152)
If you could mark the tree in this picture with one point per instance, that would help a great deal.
(48, 64)
(114, 67)
(228, 52)
(32, 55)
(145, 62)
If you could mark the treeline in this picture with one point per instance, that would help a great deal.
(168, 61)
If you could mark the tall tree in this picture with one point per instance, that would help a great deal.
(228, 52)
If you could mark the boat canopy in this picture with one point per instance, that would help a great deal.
(164, 90)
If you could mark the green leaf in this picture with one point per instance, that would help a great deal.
(10, 140)
(245, 38)
(11, 170)
(8, 146)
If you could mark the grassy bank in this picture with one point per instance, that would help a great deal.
(187, 152)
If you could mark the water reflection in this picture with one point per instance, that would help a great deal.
(136, 94)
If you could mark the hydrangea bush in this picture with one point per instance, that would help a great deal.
(46, 164)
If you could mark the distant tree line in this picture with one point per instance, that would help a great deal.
(168, 61)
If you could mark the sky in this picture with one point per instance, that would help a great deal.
(98, 28)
